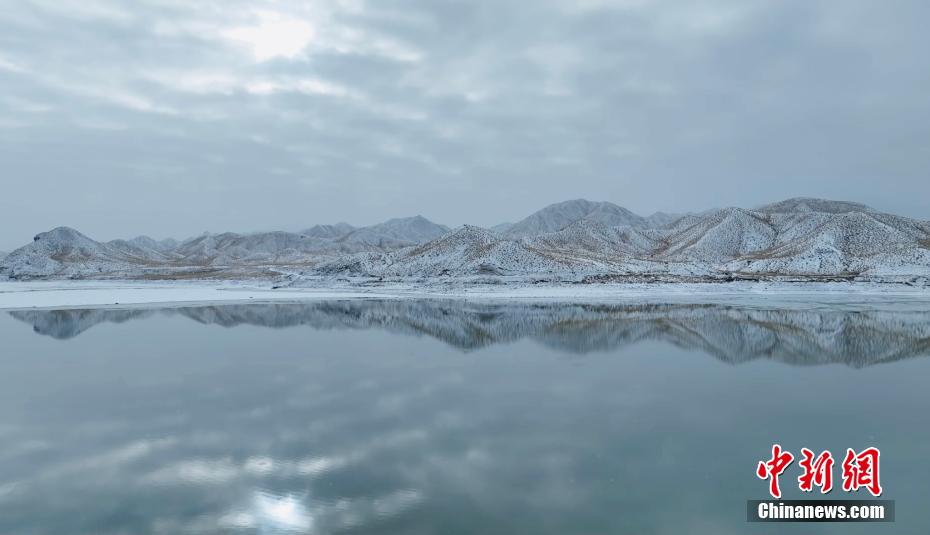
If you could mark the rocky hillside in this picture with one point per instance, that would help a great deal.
(66, 253)
(465, 251)
(794, 239)
(800, 238)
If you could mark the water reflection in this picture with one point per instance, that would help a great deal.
(856, 337)
(363, 423)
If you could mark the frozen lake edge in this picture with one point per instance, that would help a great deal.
(89, 294)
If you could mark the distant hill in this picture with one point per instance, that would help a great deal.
(329, 232)
(391, 234)
(147, 248)
(801, 238)
(797, 205)
(556, 217)
(65, 252)
(578, 240)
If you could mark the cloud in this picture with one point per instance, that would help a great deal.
(273, 36)
(465, 112)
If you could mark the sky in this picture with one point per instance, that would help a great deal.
(175, 117)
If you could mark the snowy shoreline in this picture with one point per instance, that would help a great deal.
(89, 294)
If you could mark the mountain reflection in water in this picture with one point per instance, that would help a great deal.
(734, 334)
(381, 417)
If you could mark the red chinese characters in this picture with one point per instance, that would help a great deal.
(773, 468)
(816, 471)
(861, 470)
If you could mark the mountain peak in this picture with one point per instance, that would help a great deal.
(399, 231)
(473, 230)
(469, 234)
(813, 204)
(328, 231)
(555, 217)
(412, 220)
(62, 235)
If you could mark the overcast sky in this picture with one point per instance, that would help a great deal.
(174, 117)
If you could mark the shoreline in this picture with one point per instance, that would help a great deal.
(95, 294)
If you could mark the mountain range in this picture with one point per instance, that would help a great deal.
(66, 253)
(575, 241)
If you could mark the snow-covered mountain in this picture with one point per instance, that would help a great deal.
(391, 234)
(328, 232)
(556, 217)
(501, 228)
(797, 205)
(800, 238)
(588, 240)
(661, 219)
(230, 248)
(147, 248)
(464, 251)
(870, 243)
(714, 236)
(65, 252)
(307, 247)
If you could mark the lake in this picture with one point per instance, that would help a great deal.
(450, 417)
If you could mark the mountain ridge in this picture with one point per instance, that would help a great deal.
(64, 252)
(577, 240)
(798, 238)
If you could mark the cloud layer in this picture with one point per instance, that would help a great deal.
(172, 117)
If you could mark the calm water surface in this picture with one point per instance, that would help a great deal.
(440, 417)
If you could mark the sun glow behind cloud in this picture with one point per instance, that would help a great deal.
(274, 36)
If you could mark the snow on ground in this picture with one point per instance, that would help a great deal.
(69, 294)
